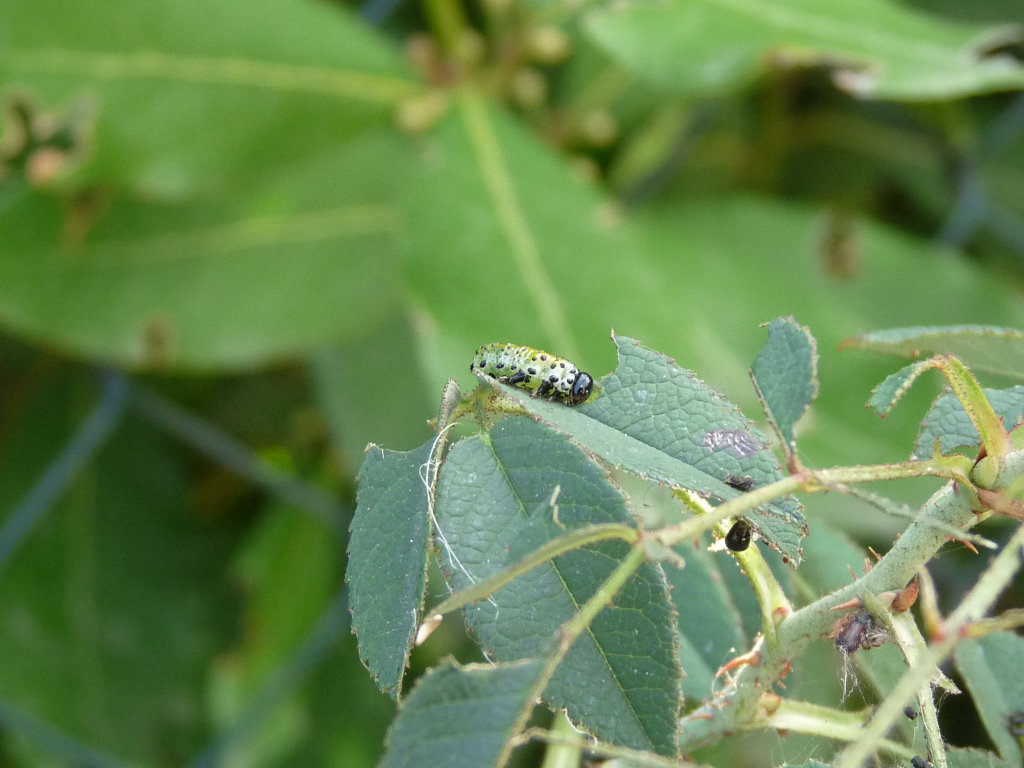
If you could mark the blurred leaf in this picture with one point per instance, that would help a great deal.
(990, 11)
(115, 605)
(502, 497)
(369, 389)
(186, 107)
(709, 625)
(387, 560)
(659, 421)
(830, 557)
(948, 424)
(288, 555)
(877, 48)
(785, 374)
(959, 757)
(462, 717)
(274, 270)
(208, 226)
(982, 348)
(519, 230)
(347, 717)
(985, 666)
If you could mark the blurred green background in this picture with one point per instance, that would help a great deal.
(241, 240)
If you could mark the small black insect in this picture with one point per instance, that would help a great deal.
(910, 712)
(920, 762)
(860, 631)
(738, 537)
(744, 483)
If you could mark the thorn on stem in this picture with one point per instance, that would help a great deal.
(748, 659)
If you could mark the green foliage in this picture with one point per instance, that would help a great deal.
(983, 664)
(786, 376)
(389, 528)
(992, 350)
(540, 551)
(948, 423)
(531, 485)
(466, 713)
(277, 228)
(876, 48)
(636, 424)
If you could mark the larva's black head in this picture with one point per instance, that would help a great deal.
(581, 388)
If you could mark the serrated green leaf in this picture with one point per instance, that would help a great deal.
(659, 421)
(980, 347)
(964, 385)
(984, 665)
(785, 374)
(888, 393)
(462, 717)
(387, 560)
(494, 505)
(948, 423)
(876, 48)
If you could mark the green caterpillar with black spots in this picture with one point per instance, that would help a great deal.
(546, 375)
